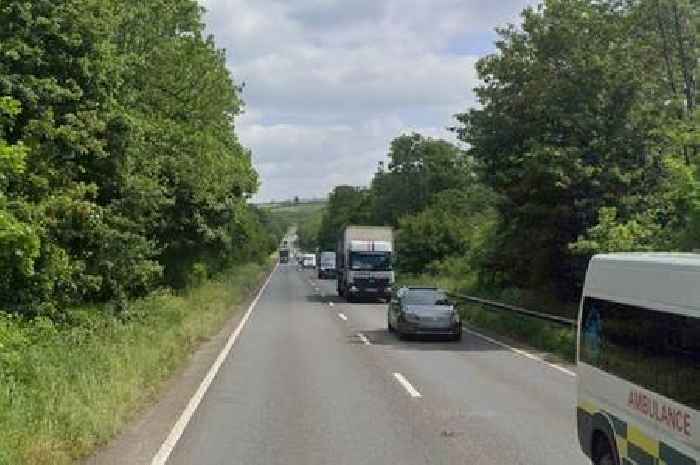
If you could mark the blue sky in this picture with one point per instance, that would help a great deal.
(329, 83)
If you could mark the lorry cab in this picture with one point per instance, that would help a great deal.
(638, 360)
(364, 262)
(284, 255)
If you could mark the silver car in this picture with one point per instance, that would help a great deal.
(423, 311)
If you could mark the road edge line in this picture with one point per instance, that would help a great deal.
(178, 429)
(522, 353)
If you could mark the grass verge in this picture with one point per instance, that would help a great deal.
(67, 388)
(542, 335)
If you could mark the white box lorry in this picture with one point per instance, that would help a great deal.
(364, 262)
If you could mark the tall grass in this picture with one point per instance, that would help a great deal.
(67, 388)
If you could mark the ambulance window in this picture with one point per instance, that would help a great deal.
(656, 350)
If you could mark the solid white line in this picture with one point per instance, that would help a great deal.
(342, 316)
(521, 352)
(330, 303)
(176, 433)
(364, 339)
(406, 385)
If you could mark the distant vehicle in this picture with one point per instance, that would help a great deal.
(308, 260)
(326, 266)
(423, 311)
(363, 262)
(638, 360)
(284, 255)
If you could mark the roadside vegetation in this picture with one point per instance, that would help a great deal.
(70, 386)
(126, 232)
(120, 168)
(585, 141)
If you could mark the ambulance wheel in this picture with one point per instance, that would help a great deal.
(603, 451)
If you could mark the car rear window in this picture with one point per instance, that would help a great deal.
(425, 297)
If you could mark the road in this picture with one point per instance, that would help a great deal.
(313, 380)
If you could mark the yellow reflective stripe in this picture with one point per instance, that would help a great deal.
(621, 446)
(641, 440)
(588, 407)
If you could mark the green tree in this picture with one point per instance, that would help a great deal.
(567, 126)
(346, 205)
(418, 168)
(455, 226)
(131, 165)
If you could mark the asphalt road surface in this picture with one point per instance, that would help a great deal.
(313, 380)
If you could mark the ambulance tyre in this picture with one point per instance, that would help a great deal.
(603, 452)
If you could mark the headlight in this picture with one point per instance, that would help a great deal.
(455, 317)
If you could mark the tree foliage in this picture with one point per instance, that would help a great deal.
(119, 162)
(573, 133)
(346, 205)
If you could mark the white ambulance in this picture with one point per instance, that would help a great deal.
(638, 360)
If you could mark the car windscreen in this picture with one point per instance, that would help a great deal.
(425, 297)
(371, 261)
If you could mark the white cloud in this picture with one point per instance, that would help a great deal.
(329, 83)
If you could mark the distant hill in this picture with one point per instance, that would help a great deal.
(291, 203)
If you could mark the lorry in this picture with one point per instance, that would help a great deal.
(326, 265)
(284, 255)
(364, 262)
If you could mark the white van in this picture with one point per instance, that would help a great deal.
(308, 261)
(639, 360)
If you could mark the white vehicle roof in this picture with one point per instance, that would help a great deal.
(667, 281)
(370, 246)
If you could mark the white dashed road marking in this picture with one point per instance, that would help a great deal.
(406, 385)
(364, 339)
(342, 316)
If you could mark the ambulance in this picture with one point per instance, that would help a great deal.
(638, 360)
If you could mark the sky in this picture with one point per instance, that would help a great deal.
(329, 83)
